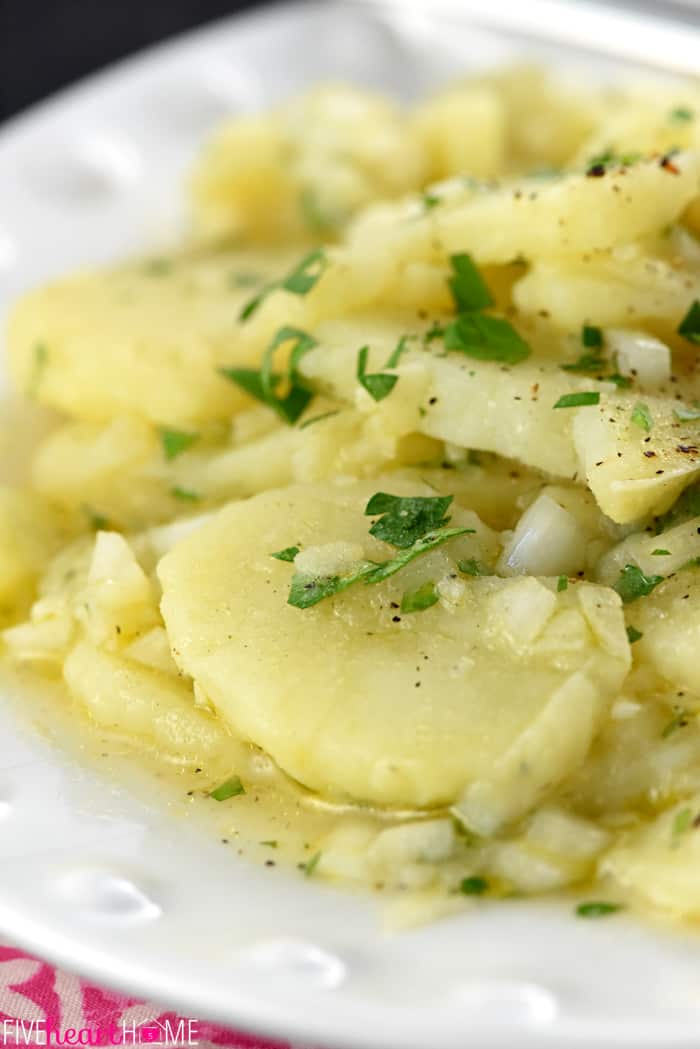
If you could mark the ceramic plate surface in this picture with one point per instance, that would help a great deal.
(111, 886)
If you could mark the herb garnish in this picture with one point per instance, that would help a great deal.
(632, 583)
(185, 495)
(175, 442)
(682, 822)
(562, 584)
(469, 290)
(399, 350)
(641, 416)
(405, 519)
(262, 384)
(592, 337)
(597, 909)
(474, 886)
(659, 552)
(378, 385)
(681, 115)
(98, 521)
(689, 327)
(633, 634)
(679, 720)
(578, 400)
(310, 866)
(319, 418)
(471, 566)
(298, 281)
(41, 359)
(418, 600)
(288, 554)
(230, 788)
(430, 200)
(486, 338)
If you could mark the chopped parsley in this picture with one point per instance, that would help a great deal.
(271, 843)
(288, 554)
(562, 584)
(298, 281)
(406, 518)
(486, 338)
(633, 634)
(471, 566)
(378, 385)
(262, 384)
(681, 115)
(418, 600)
(469, 290)
(310, 866)
(659, 552)
(159, 267)
(230, 788)
(474, 886)
(399, 350)
(682, 822)
(430, 200)
(306, 591)
(641, 416)
(592, 337)
(633, 584)
(41, 359)
(587, 362)
(578, 400)
(597, 909)
(175, 442)
(185, 495)
(689, 327)
(319, 418)
(312, 213)
(687, 415)
(98, 522)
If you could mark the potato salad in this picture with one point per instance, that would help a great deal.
(373, 509)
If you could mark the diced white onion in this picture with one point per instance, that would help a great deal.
(547, 541)
(640, 356)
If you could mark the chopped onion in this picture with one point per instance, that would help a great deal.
(547, 541)
(640, 355)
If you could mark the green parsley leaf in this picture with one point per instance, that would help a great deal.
(41, 359)
(271, 843)
(319, 418)
(470, 566)
(633, 584)
(98, 522)
(435, 331)
(681, 115)
(418, 600)
(298, 281)
(430, 200)
(399, 350)
(562, 584)
(474, 886)
(679, 720)
(306, 591)
(621, 381)
(687, 415)
(158, 267)
(660, 553)
(406, 518)
(175, 442)
(378, 385)
(468, 287)
(682, 822)
(592, 337)
(288, 554)
(641, 416)
(633, 634)
(486, 338)
(184, 495)
(578, 400)
(312, 212)
(262, 384)
(310, 866)
(230, 788)
(587, 362)
(689, 327)
(597, 909)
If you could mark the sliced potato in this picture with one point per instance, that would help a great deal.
(318, 688)
(669, 620)
(31, 531)
(144, 339)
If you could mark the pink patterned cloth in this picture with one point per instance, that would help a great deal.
(40, 1005)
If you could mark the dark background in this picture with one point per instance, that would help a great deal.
(46, 44)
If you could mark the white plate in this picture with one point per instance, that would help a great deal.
(103, 883)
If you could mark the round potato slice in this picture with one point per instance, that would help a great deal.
(501, 683)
